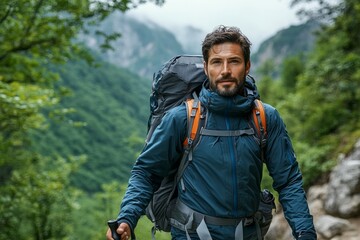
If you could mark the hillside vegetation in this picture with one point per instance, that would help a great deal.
(108, 126)
(318, 94)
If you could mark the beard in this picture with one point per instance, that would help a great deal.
(228, 91)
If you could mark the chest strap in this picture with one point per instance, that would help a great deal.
(227, 133)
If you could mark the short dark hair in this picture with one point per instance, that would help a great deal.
(223, 34)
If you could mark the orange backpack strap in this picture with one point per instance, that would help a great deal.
(259, 118)
(193, 116)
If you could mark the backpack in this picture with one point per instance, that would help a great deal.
(180, 80)
(175, 82)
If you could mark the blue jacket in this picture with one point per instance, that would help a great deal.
(223, 180)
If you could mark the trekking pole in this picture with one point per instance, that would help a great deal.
(113, 225)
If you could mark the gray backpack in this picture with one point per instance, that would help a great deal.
(178, 80)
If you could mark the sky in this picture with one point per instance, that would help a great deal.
(257, 19)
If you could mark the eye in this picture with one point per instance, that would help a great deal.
(216, 62)
(234, 61)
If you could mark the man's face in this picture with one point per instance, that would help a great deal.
(226, 69)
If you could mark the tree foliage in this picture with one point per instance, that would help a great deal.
(325, 10)
(35, 35)
(112, 104)
(293, 67)
(329, 86)
(37, 202)
(322, 113)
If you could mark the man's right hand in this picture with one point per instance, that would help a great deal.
(123, 231)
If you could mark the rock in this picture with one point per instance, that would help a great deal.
(340, 197)
(329, 227)
(356, 153)
(317, 192)
(279, 228)
(343, 194)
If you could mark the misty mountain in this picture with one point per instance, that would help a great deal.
(191, 39)
(144, 45)
(142, 48)
(294, 40)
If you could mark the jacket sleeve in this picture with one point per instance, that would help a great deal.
(158, 157)
(287, 178)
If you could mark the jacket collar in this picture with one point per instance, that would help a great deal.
(233, 106)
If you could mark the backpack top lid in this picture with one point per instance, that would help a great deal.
(176, 80)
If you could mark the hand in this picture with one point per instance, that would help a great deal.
(123, 230)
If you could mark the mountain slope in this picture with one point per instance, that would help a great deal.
(291, 41)
(114, 105)
(142, 47)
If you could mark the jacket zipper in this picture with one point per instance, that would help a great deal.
(233, 165)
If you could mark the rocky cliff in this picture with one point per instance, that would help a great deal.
(291, 41)
(142, 48)
(335, 205)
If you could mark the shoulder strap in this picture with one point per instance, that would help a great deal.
(259, 118)
(193, 108)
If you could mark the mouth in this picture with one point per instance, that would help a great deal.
(225, 81)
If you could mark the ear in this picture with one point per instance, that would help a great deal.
(205, 69)
(247, 67)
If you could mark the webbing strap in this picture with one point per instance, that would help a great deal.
(188, 226)
(203, 231)
(198, 222)
(259, 117)
(204, 234)
(226, 133)
(258, 230)
(193, 111)
(239, 231)
(183, 164)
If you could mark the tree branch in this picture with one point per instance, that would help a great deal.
(32, 19)
(2, 19)
(29, 45)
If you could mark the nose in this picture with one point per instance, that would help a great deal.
(225, 69)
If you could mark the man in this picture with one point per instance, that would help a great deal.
(223, 180)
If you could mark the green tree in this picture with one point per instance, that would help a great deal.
(319, 95)
(270, 89)
(319, 9)
(36, 35)
(37, 202)
(330, 85)
(102, 206)
(292, 67)
(324, 108)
